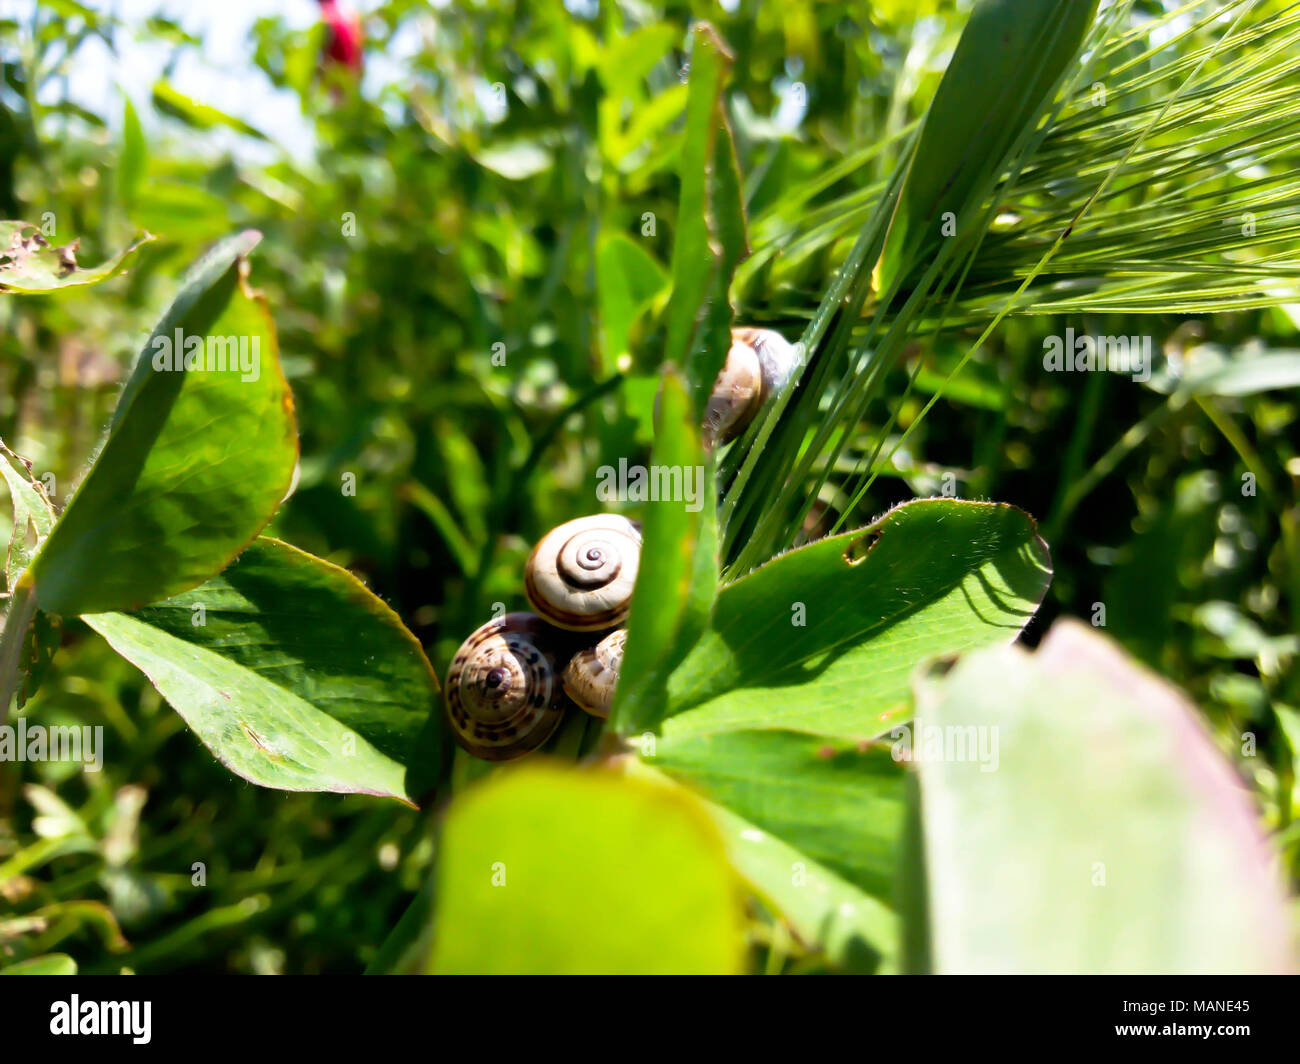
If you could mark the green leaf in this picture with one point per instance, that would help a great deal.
(33, 516)
(710, 238)
(32, 513)
(1140, 850)
(29, 264)
(677, 581)
(293, 675)
(627, 59)
(629, 280)
(545, 870)
(196, 461)
(839, 803)
(50, 964)
(853, 930)
(823, 639)
(135, 157)
(1007, 61)
(813, 825)
(196, 115)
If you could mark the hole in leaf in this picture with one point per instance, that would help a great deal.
(856, 551)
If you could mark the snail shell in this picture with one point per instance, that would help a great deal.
(777, 357)
(503, 693)
(759, 364)
(737, 393)
(581, 574)
(591, 675)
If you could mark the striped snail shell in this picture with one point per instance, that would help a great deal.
(503, 694)
(581, 574)
(759, 363)
(591, 674)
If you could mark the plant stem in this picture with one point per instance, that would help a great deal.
(22, 608)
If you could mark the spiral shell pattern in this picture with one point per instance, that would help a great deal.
(592, 674)
(503, 695)
(581, 574)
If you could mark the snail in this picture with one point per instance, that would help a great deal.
(503, 695)
(759, 364)
(591, 674)
(581, 574)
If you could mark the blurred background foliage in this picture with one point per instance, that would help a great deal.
(466, 269)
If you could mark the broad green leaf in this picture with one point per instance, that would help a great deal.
(677, 580)
(834, 801)
(1105, 834)
(629, 279)
(293, 675)
(1009, 58)
(195, 463)
(853, 930)
(545, 870)
(813, 825)
(823, 639)
(29, 264)
(50, 964)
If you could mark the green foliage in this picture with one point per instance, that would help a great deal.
(50, 964)
(677, 583)
(30, 265)
(196, 460)
(823, 639)
(1009, 59)
(293, 674)
(472, 305)
(657, 893)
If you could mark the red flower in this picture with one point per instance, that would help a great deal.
(344, 39)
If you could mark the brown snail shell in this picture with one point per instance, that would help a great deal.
(592, 674)
(759, 363)
(503, 693)
(737, 394)
(580, 575)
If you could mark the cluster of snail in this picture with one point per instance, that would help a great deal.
(512, 680)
